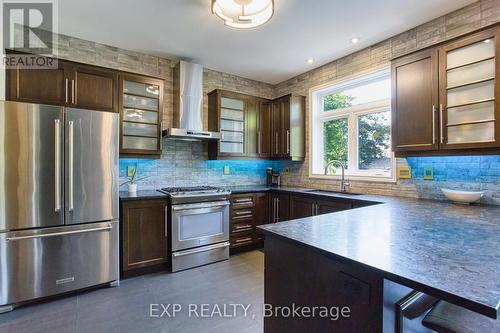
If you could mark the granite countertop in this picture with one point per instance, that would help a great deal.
(142, 195)
(449, 250)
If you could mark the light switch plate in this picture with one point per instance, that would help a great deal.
(131, 170)
(226, 170)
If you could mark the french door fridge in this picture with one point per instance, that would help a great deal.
(58, 200)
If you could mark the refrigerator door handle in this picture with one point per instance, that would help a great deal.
(57, 168)
(70, 166)
(62, 233)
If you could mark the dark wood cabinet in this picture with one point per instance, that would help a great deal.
(242, 231)
(94, 88)
(288, 127)
(71, 84)
(445, 98)
(469, 69)
(306, 206)
(279, 207)
(265, 130)
(141, 106)
(253, 127)
(415, 102)
(144, 240)
(43, 86)
(302, 206)
(261, 213)
(326, 206)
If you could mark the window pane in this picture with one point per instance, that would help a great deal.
(335, 141)
(362, 94)
(374, 141)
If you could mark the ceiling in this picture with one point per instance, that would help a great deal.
(274, 52)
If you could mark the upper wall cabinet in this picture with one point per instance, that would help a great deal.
(288, 128)
(444, 99)
(141, 105)
(253, 127)
(469, 92)
(415, 97)
(71, 85)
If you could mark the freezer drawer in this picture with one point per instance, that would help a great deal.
(44, 262)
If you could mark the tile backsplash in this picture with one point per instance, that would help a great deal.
(184, 163)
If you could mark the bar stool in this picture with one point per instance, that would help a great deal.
(449, 318)
(411, 306)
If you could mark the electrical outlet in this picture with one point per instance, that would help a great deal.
(428, 173)
(131, 170)
(226, 170)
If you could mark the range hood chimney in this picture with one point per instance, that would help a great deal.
(188, 104)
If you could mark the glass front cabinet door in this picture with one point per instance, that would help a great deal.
(469, 95)
(141, 115)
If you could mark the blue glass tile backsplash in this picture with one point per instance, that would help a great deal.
(485, 169)
(185, 164)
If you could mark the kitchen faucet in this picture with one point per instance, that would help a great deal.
(343, 183)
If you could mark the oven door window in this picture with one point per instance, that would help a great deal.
(194, 226)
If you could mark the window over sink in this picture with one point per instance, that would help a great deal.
(351, 122)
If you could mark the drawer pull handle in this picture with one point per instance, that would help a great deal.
(242, 227)
(243, 200)
(244, 212)
(242, 240)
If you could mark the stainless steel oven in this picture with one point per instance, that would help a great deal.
(199, 230)
(199, 224)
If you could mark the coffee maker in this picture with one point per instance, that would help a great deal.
(272, 179)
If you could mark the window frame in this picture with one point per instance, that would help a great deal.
(317, 117)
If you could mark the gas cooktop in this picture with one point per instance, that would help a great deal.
(202, 193)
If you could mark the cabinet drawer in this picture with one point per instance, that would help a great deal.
(239, 214)
(242, 239)
(239, 227)
(242, 201)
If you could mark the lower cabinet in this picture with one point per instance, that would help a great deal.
(305, 206)
(261, 213)
(144, 241)
(301, 206)
(248, 210)
(279, 207)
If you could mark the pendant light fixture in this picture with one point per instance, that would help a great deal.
(243, 14)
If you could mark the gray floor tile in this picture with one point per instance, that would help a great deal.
(126, 308)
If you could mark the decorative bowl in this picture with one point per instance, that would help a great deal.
(465, 197)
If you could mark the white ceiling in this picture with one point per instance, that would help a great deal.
(300, 29)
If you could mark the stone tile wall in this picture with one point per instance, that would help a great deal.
(186, 163)
(477, 15)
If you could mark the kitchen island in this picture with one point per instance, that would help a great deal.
(342, 260)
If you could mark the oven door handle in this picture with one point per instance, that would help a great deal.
(202, 249)
(217, 204)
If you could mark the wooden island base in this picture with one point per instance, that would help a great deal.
(296, 274)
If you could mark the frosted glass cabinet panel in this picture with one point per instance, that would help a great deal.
(478, 51)
(471, 113)
(232, 103)
(141, 101)
(483, 70)
(471, 93)
(468, 92)
(471, 133)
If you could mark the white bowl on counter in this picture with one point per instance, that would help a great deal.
(464, 197)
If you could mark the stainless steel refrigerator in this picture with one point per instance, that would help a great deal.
(58, 200)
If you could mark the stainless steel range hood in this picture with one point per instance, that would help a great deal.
(188, 104)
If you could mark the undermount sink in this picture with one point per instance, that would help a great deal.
(333, 192)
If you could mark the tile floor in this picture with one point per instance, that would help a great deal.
(239, 280)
